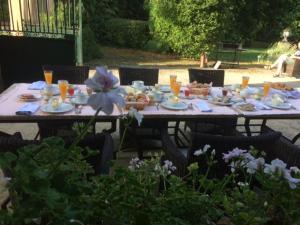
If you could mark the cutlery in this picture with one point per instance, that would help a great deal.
(78, 109)
(157, 106)
(293, 107)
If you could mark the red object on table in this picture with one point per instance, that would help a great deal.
(186, 92)
(71, 91)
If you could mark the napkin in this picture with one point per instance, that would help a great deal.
(202, 105)
(259, 105)
(295, 94)
(292, 94)
(28, 109)
(38, 85)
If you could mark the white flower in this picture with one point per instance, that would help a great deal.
(198, 152)
(253, 165)
(292, 181)
(295, 169)
(168, 165)
(103, 82)
(235, 153)
(135, 114)
(135, 163)
(277, 166)
(202, 151)
(205, 148)
(243, 184)
(213, 154)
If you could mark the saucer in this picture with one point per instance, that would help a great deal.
(176, 106)
(62, 108)
(142, 88)
(79, 102)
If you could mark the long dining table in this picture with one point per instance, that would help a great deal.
(10, 103)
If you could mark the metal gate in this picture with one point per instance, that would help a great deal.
(54, 19)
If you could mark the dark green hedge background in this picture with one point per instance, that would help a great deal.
(188, 27)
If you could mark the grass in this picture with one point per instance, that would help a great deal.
(250, 55)
(114, 57)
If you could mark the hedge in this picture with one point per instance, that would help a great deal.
(126, 33)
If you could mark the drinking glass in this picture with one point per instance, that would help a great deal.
(172, 81)
(245, 81)
(176, 88)
(267, 86)
(63, 88)
(48, 76)
(224, 92)
(71, 90)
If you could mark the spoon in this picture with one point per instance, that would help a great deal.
(78, 108)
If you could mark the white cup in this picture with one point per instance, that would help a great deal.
(157, 95)
(81, 97)
(138, 84)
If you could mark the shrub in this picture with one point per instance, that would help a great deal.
(277, 49)
(189, 27)
(91, 49)
(126, 33)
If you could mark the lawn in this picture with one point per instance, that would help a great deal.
(114, 57)
(250, 55)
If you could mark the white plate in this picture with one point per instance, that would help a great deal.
(36, 98)
(63, 107)
(165, 88)
(178, 106)
(285, 105)
(220, 103)
(79, 102)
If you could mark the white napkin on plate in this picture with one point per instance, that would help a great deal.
(28, 109)
(202, 105)
(259, 105)
(38, 85)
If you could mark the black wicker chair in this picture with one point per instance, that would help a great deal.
(215, 126)
(2, 86)
(222, 144)
(283, 149)
(207, 76)
(146, 136)
(129, 74)
(74, 75)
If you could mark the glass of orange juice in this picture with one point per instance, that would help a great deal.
(48, 76)
(245, 81)
(63, 88)
(266, 86)
(176, 88)
(172, 81)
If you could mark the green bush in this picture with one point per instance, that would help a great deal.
(189, 27)
(91, 49)
(277, 49)
(126, 33)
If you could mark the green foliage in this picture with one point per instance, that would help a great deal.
(156, 46)
(96, 14)
(91, 49)
(126, 33)
(46, 192)
(43, 190)
(132, 9)
(277, 49)
(189, 27)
